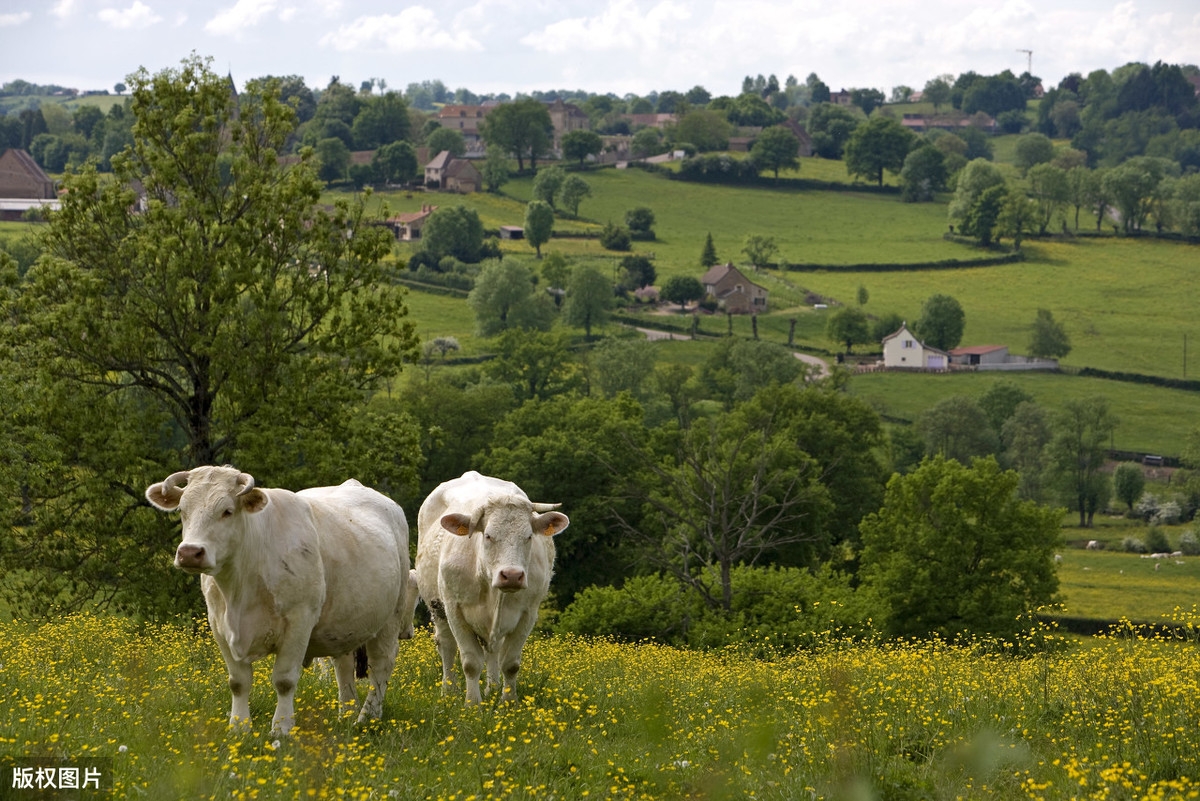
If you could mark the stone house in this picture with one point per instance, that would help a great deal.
(734, 292)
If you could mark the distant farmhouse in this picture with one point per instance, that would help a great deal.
(23, 185)
(453, 175)
(736, 293)
(903, 351)
(407, 227)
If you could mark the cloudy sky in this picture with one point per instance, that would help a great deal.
(619, 46)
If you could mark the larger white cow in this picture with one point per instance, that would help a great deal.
(485, 554)
(300, 575)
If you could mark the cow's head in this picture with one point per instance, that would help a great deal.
(506, 537)
(212, 502)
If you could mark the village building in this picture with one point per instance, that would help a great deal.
(735, 293)
(23, 185)
(453, 175)
(902, 350)
(407, 227)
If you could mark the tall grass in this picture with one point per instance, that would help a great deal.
(899, 721)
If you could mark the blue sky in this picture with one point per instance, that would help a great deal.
(621, 46)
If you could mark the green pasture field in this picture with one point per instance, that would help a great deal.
(1126, 304)
(1152, 419)
(1111, 585)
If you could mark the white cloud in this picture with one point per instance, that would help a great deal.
(620, 26)
(139, 15)
(241, 15)
(64, 8)
(414, 28)
(8, 20)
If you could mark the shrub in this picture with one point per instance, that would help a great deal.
(1168, 514)
(1189, 543)
(772, 608)
(1133, 545)
(1146, 507)
(1156, 540)
(615, 237)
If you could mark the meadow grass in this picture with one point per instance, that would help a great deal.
(1110, 585)
(601, 720)
(1152, 419)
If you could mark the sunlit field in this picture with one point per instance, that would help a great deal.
(600, 720)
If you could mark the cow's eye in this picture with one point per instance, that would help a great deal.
(227, 513)
(487, 536)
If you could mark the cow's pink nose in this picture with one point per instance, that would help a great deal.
(190, 556)
(511, 578)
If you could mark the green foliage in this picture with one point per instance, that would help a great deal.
(395, 163)
(334, 159)
(640, 222)
(923, 174)
(682, 289)
(1128, 483)
(589, 299)
(708, 256)
(1049, 339)
(957, 428)
(578, 145)
(453, 231)
(759, 249)
(547, 184)
(952, 550)
(882, 143)
(941, 322)
(707, 130)
(1081, 433)
(572, 192)
(539, 224)
(495, 168)
(774, 610)
(615, 237)
(534, 363)
(976, 177)
(776, 148)
(521, 128)
(446, 139)
(623, 365)
(637, 271)
(229, 320)
(505, 298)
(830, 127)
(737, 368)
(1033, 149)
(849, 325)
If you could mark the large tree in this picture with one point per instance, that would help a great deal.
(776, 148)
(539, 224)
(522, 128)
(1049, 340)
(589, 298)
(215, 313)
(849, 325)
(505, 297)
(953, 551)
(453, 231)
(578, 145)
(1082, 431)
(941, 322)
(880, 144)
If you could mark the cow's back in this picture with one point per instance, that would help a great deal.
(363, 539)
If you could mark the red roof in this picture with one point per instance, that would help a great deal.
(977, 350)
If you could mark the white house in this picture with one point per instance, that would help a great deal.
(902, 349)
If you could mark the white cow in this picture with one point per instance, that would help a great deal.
(485, 554)
(299, 575)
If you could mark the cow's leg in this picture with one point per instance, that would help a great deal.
(470, 652)
(508, 654)
(288, 662)
(381, 656)
(241, 674)
(343, 668)
(447, 647)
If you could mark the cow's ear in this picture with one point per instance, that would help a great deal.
(254, 500)
(550, 523)
(457, 524)
(164, 497)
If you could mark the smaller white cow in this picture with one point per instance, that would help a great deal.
(485, 555)
(299, 575)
